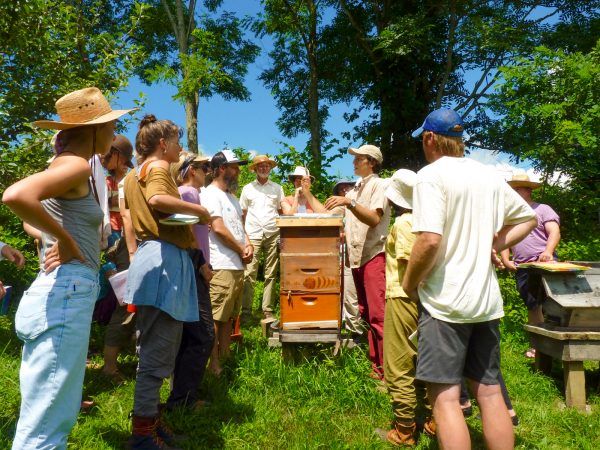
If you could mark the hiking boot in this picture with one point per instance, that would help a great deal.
(429, 427)
(403, 433)
(144, 437)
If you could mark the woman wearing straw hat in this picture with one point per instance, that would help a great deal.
(54, 315)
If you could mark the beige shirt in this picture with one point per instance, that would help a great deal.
(262, 203)
(365, 242)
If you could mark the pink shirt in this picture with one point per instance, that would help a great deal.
(190, 194)
(530, 248)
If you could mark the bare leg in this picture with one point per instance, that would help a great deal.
(215, 365)
(535, 316)
(224, 339)
(497, 426)
(110, 359)
(452, 431)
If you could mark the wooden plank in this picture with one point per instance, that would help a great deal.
(333, 221)
(581, 290)
(310, 272)
(581, 351)
(574, 384)
(585, 317)
(327, 324)
(308, 338)
(564, 333)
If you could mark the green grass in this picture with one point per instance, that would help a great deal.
(324, 402)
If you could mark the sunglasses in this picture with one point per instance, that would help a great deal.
(204, 167)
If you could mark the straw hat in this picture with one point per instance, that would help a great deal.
(300, 172)
(522, 180)
(84, 107)
(400, 188)
(261, 159)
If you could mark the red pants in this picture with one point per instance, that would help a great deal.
(370, 289)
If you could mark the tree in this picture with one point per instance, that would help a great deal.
(403, 59)
(49, 48)
(202, 56)
(548, 112)
(294, 77)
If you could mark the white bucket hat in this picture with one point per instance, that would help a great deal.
(300, 172)
(400, 188)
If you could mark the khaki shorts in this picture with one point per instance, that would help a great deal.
(226, 287)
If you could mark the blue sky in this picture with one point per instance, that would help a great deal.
(251, 125)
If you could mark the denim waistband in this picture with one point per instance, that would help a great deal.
(69, 269)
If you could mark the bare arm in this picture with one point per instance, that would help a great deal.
(32, 231)
(313, 201)
(553, 231)
(13, 255)
(67, 176)
(510, 235)
(370, 217)
(290, 210)
(128, 231)
(505, 258)
(171, 205)
(422, 260)
(218, 227)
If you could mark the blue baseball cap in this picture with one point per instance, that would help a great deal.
(443, 121)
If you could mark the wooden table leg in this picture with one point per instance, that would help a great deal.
(574, 384)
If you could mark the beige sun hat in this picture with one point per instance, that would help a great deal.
(259, 159)
(83, 107)
(522, 180)
(400, 188)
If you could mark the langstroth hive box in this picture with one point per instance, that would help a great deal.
(311, 275)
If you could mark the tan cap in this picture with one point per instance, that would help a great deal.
(369, 150)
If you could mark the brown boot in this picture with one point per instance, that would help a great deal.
(403, 433)
(429, 427)
(143, 435)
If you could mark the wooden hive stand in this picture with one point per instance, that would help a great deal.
(572, 332)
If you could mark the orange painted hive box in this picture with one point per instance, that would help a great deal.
(311, 272)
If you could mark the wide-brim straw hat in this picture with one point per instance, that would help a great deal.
(400, 188)
(522, 180)
(80, 108)
(259, 159)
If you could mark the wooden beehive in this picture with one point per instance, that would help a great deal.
(573, 299)
(310, 264)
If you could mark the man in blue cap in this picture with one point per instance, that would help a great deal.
(464, 213)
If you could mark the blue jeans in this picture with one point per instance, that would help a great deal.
(53, 320)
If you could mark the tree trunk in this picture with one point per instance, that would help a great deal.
(313, 90)
(191, 122)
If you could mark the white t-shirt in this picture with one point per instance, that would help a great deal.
(466, 203)
(100, 184)
(224, 205)
(262, 203)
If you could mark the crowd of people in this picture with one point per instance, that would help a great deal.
(433, 271)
